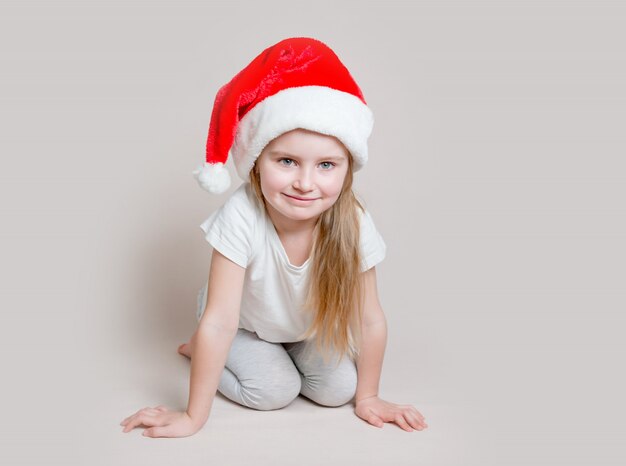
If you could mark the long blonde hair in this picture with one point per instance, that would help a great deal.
(335, 288)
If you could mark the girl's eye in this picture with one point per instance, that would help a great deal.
(327, 165)
(286, 162)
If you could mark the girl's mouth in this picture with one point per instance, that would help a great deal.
(302, 199)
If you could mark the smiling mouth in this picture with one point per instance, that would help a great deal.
(301, 198)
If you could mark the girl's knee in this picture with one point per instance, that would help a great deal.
(336, 390)
(275, 393)
(337, 397)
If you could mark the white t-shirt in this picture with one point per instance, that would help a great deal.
(274, 289)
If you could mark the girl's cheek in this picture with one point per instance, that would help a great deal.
(280, 177)
(275, 182)
(336, 187)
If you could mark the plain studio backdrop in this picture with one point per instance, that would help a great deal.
(496, 177)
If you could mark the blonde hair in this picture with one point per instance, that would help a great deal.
(335, 288)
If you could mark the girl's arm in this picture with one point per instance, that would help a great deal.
(216, 330)
(374, 334)
(210, 345)
(369, 366)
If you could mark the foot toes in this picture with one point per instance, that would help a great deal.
(184, 349)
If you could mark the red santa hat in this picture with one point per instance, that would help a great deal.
(297, 83)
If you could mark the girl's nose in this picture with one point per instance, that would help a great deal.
(304, 180)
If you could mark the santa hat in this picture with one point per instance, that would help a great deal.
(297, 83)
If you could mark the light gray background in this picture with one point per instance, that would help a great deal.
(496, 177)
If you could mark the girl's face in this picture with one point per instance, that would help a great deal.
(301, 174)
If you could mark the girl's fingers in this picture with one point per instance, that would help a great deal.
(163, 431)
(422, 419)
(399, 419)
(413, 410)
(413, 421)
(134, 422)
(144, 418)
(125, 421)
(130, 425)
(373, 418)
(154, 411)
(419, 415)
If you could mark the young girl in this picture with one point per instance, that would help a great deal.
(291, 304)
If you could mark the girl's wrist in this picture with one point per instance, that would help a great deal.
(197, 421)
(358, 399)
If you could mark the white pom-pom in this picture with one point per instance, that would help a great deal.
(213, 177)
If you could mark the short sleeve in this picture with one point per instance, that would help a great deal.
(231, 228)
(373, 247)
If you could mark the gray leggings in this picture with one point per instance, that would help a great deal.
(264, 376)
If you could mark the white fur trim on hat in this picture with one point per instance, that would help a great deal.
(213, 177)
(315, 108)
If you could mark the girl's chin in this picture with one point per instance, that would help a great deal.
(301, 214)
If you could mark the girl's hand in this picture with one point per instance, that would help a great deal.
(377, 412)
(161, 422)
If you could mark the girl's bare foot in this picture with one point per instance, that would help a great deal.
(185, 350)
